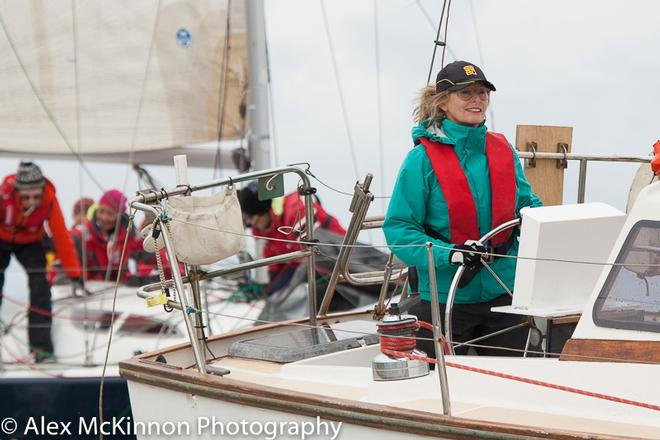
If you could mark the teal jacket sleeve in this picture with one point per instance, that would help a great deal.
(524, 197)
(406, 214)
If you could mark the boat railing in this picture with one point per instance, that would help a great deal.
(583, 159)
(360, 203)
(190, 306)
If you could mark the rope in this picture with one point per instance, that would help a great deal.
(529, 381)
(26, 361)
(418, 338)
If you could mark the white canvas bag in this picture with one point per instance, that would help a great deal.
(206, 229)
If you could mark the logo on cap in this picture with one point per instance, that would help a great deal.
(469, 70)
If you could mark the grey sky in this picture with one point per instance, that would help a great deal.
(591, 65)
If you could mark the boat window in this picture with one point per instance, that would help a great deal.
(630, 298)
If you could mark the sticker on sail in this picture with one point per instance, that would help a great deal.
(183, 38)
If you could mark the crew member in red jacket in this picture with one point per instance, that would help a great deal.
(27, 202)
(103, 237)
(281, 219)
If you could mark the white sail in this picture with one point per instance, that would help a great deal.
(105, 79)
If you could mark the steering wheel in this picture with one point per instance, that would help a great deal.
(453, 287)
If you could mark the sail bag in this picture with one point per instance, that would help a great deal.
(206, 229)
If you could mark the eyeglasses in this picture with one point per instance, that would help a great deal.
(468, 94)
(28, 197)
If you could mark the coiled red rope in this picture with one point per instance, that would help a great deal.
(401, 338)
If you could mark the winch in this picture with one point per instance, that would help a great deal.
(397, 335)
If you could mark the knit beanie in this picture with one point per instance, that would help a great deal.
(28, 176)
(114, 199)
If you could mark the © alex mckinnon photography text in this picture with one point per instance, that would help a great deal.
(268, 430)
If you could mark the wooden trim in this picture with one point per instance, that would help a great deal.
(561, 320)
(347, 411)
(611, 350)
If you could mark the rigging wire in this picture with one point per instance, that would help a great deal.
(345, 193)
(271, 112)
(222, 91)
(491, 112)
(423, 245)
(45, 108)
(84, 232)
(421, 338)
(437, 36)
(379, 109)
(112, 320)
(113, 242)
(339, 89)
(429, 20)
(83, 248)
(444, 47)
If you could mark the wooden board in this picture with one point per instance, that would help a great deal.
(546, 178)
(606, 350)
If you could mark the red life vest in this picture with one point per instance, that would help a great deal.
(463, 221)
(98, 256)
(21, 227)
(282, 227)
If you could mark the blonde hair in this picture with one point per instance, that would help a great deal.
(429, 103)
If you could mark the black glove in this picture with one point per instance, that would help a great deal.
(466, 254)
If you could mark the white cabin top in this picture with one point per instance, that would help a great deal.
(625, 303)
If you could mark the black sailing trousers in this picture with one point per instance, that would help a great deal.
(32, 257)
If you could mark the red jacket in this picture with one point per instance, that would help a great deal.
(147, 265)
(292, 216)
(97, 254)
(19, 228)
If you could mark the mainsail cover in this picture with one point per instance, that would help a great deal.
(105, 79)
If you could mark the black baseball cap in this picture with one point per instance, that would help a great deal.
(459, 74)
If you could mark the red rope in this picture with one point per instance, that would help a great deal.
(44, 312)
(404, 342)
(529, 381)
(26, 362)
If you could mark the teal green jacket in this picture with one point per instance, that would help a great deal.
(418, 201)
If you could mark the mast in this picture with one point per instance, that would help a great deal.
(257, 110)
(259, 132)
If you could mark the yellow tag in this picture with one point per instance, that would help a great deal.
(157, 300)
(470, 70)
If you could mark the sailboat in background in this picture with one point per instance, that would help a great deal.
(130, 83)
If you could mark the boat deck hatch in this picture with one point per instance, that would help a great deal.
(299, 344)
